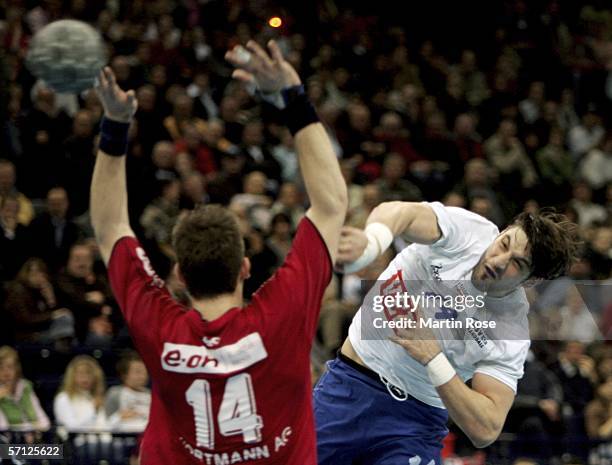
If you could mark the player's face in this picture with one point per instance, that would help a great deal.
(505, 264)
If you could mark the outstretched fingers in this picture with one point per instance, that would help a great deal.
(131, 98)
(238, 56)
(275, 51)
(255, 48)
(243, 76)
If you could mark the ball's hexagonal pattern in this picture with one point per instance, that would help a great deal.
(67, 55)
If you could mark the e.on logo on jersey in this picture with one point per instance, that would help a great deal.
(185, 358)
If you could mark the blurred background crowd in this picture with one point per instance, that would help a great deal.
(501, 109)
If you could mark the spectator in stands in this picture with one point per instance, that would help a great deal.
(596, 166)
(36, 313)
(548, 120)
(164, 160)
(600, 248)
(354, 128)
(52, 232)
(159, 217)
(289, 202)
(80, 402)
(598, 413)
(87, 295)
(482, 205)
(477, 183)
(437, 146)
(556, 167)
(576, 373)
(393, 185)
(474, 80)
(14, 238)
(280, 238)
(127, 406)
(192, 143)
(8, 178)
(531, 108)
(567, 110)
(585, 136)
(193, 188)
(43, 129)
(395, 136)
(454, 199)
(453, 100)
(371, 198)
(535, 415)
(182, 115)
(79, 160)
(254, 200)
(258, 156)
(507, 155)
(578, 323)
(588, 211)
(19, 405)
(149, 119)
(205, 104)
(228, 181)
(467, 141)
(286, 156)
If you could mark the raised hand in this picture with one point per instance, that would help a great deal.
(269, 72)
(118, 104)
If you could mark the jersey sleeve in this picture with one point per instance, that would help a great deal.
(141, 294)
(460, 228)
(292, 297)
(505, 362)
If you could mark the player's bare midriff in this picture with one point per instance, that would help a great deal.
(348, 351)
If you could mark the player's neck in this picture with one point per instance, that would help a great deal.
(213, 308)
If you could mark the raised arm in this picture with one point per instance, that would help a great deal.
(108, 203)
(416, 221)
(278, 83)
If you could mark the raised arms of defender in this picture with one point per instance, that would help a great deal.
(108, 203)
(326, 188)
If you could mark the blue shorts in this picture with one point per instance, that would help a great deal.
(359, 422)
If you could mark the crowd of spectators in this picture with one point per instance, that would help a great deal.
(514, 117)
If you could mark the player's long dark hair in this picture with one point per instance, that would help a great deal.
(553, 242)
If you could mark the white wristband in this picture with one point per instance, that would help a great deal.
(440, 370)
(379, 239)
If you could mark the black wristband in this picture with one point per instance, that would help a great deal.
(299, 112)
(113, 137)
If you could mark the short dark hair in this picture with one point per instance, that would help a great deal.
(553, 242)
(209, 250)
(123, 365)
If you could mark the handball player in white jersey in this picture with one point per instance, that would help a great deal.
(386, 399)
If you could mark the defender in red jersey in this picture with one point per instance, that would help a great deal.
(231, 383)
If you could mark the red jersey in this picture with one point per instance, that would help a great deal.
(236, 389)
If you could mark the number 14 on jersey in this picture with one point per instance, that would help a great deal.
(237, 414)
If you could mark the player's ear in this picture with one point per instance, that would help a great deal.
(245, 269)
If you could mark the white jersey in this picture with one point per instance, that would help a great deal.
(447, 264)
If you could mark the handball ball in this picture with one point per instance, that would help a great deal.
(67, 55)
